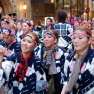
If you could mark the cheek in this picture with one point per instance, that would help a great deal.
(84, 41)
(30, 45)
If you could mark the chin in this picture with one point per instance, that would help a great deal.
(24, 51)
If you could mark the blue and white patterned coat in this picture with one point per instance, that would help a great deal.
(15, 47)
(34, 73)
(63, 30)
(85, 82)
(59, 62)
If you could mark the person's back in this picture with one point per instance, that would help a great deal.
(63, 28)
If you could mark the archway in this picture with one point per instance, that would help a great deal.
(8, 6)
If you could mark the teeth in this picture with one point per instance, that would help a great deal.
(24, 47)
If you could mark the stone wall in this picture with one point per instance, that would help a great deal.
(11, 6)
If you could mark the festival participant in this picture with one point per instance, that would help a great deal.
(24, 74)
(32, 27)
(77, 22)
(19, 29)
(4, 22)
(79, 65)
(12, 24)
(26, 26)
(11, 45)
(53, 58)
(39, 28)
(48, 24)
(53, 21)
(39, 31)
(64, 29)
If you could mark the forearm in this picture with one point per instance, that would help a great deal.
(64, 89)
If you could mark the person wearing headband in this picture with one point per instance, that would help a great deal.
(12, 45)
(78, 75)
(26, 28)
(19, 30)
(77, 22)
(4, 22)
(32, 27)
(53, 58)
(27, 73)
(12, 24)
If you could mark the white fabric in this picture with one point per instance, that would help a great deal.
(19, 34)
(7, 67)
(62, 42)
(91, 91)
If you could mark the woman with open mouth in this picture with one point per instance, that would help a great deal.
(23, 72)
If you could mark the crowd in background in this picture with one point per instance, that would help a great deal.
(56, 58)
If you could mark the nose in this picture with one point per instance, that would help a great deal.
(46, 38)
(76, 39)
(25, 43)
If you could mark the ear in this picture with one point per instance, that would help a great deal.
(35, 46)
(55, 41)
(89, 40)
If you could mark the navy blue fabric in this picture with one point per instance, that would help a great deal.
(85, 81)
(29, 83)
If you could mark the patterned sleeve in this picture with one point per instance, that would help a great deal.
(40, 75)
(87, 80)
(34, 75)
(62, 60)
(70, 29)
(6, 70)
(65, 75)
(2, 78)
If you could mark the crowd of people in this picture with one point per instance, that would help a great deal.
(56, 58)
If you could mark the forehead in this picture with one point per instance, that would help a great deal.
(18, 23)
(3, 22)
(25, 24)
(80, 31)
(48, 20)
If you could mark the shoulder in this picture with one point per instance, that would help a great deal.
(67, 23)
(14, 56)
(37, 61)
(71, 55)
(17, 46)
(3, 43)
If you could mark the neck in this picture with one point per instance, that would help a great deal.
(49, 26)
(19, 30)
(25, 55)
(49, 48)
(27, 32)
(82, 52)
(92, 46)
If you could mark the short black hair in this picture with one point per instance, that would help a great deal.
(14, 14)
(10, 14)
(62, 15)
(49, 19)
